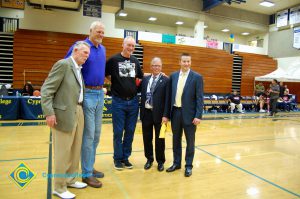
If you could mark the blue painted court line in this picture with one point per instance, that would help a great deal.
(248, 172)
(244, 141)
(139, 151)
(49, 180)
(23, 159)
(221, 117)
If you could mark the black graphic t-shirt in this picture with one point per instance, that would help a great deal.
(123, 72)
(236, 99)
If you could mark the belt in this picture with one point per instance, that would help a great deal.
(126, 98)
(94, 87)
(79, 103)
(175, 107)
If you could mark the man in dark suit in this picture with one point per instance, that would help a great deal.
(186, 97)
(153, 113)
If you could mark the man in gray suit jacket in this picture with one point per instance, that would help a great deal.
(62, 96)
(186, 97)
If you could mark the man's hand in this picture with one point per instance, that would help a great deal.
(196, 121)
(51, 120)
(165, 120)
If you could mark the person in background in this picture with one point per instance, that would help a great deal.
(259, 89)
(123, 69)
(93, 72)
(285, 101)
(27, 89)
(281, 89)
(62, 97)
(3, 90)
(286, 90)
(235, 101)
(153, 113)
(185, 111)
(267, 100)
(274, 95)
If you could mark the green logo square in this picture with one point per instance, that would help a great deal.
(22, 175)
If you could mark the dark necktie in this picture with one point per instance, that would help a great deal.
(152, 89)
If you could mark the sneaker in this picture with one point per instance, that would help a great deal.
(66, 194)
(262, 111)
(78, 185)
(119, 165)
(127, 164)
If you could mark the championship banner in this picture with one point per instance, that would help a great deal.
(92, 8)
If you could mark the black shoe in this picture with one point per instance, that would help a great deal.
(148, 165)
(127, 164)
(173, 168)
(188, 172)
(160, 167)
(119, 165)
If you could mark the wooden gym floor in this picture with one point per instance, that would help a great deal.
(237, 156)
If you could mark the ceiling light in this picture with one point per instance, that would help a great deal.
(245, 33)
(267, 3)
(122, 14)
(152, 19)
(205, 26)
(225, 30)
(179, 23)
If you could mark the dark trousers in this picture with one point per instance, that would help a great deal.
(273, 103)
(189, 130)
(147, 126)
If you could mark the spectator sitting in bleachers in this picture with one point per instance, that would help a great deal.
(267, 100)
(235, 101)
(286, 89)
(3, 90)
(259, 89)
(285, 102)
(261, 103)
(27, 89)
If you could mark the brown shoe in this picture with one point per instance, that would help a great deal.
(98, 174)
(92, 182)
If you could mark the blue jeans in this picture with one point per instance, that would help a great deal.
(92, 108)
(124, 118)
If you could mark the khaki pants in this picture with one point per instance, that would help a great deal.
(67, 147)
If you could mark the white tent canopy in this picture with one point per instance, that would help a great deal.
(288, 71)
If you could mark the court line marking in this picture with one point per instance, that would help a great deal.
(137, 151)
(49, 180)
(248, 172)
(243, 141)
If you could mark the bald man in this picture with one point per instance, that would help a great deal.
(123, 69)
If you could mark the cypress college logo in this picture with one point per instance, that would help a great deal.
(22, 175)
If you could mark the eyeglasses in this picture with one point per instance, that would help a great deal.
(156, 65)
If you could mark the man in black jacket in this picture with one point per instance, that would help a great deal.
(153, 113)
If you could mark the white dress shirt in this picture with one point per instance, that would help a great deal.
(78, 69)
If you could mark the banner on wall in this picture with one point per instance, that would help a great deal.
(169, 39)
(92, 8)
(282, 18)
(295, 15)
(131, 33)
(212, 43)
(17, 4)
(296, 43)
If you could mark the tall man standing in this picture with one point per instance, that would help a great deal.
(62, 96)
(123, 69)
(93, 73)
(186, 107)
(153, 113)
